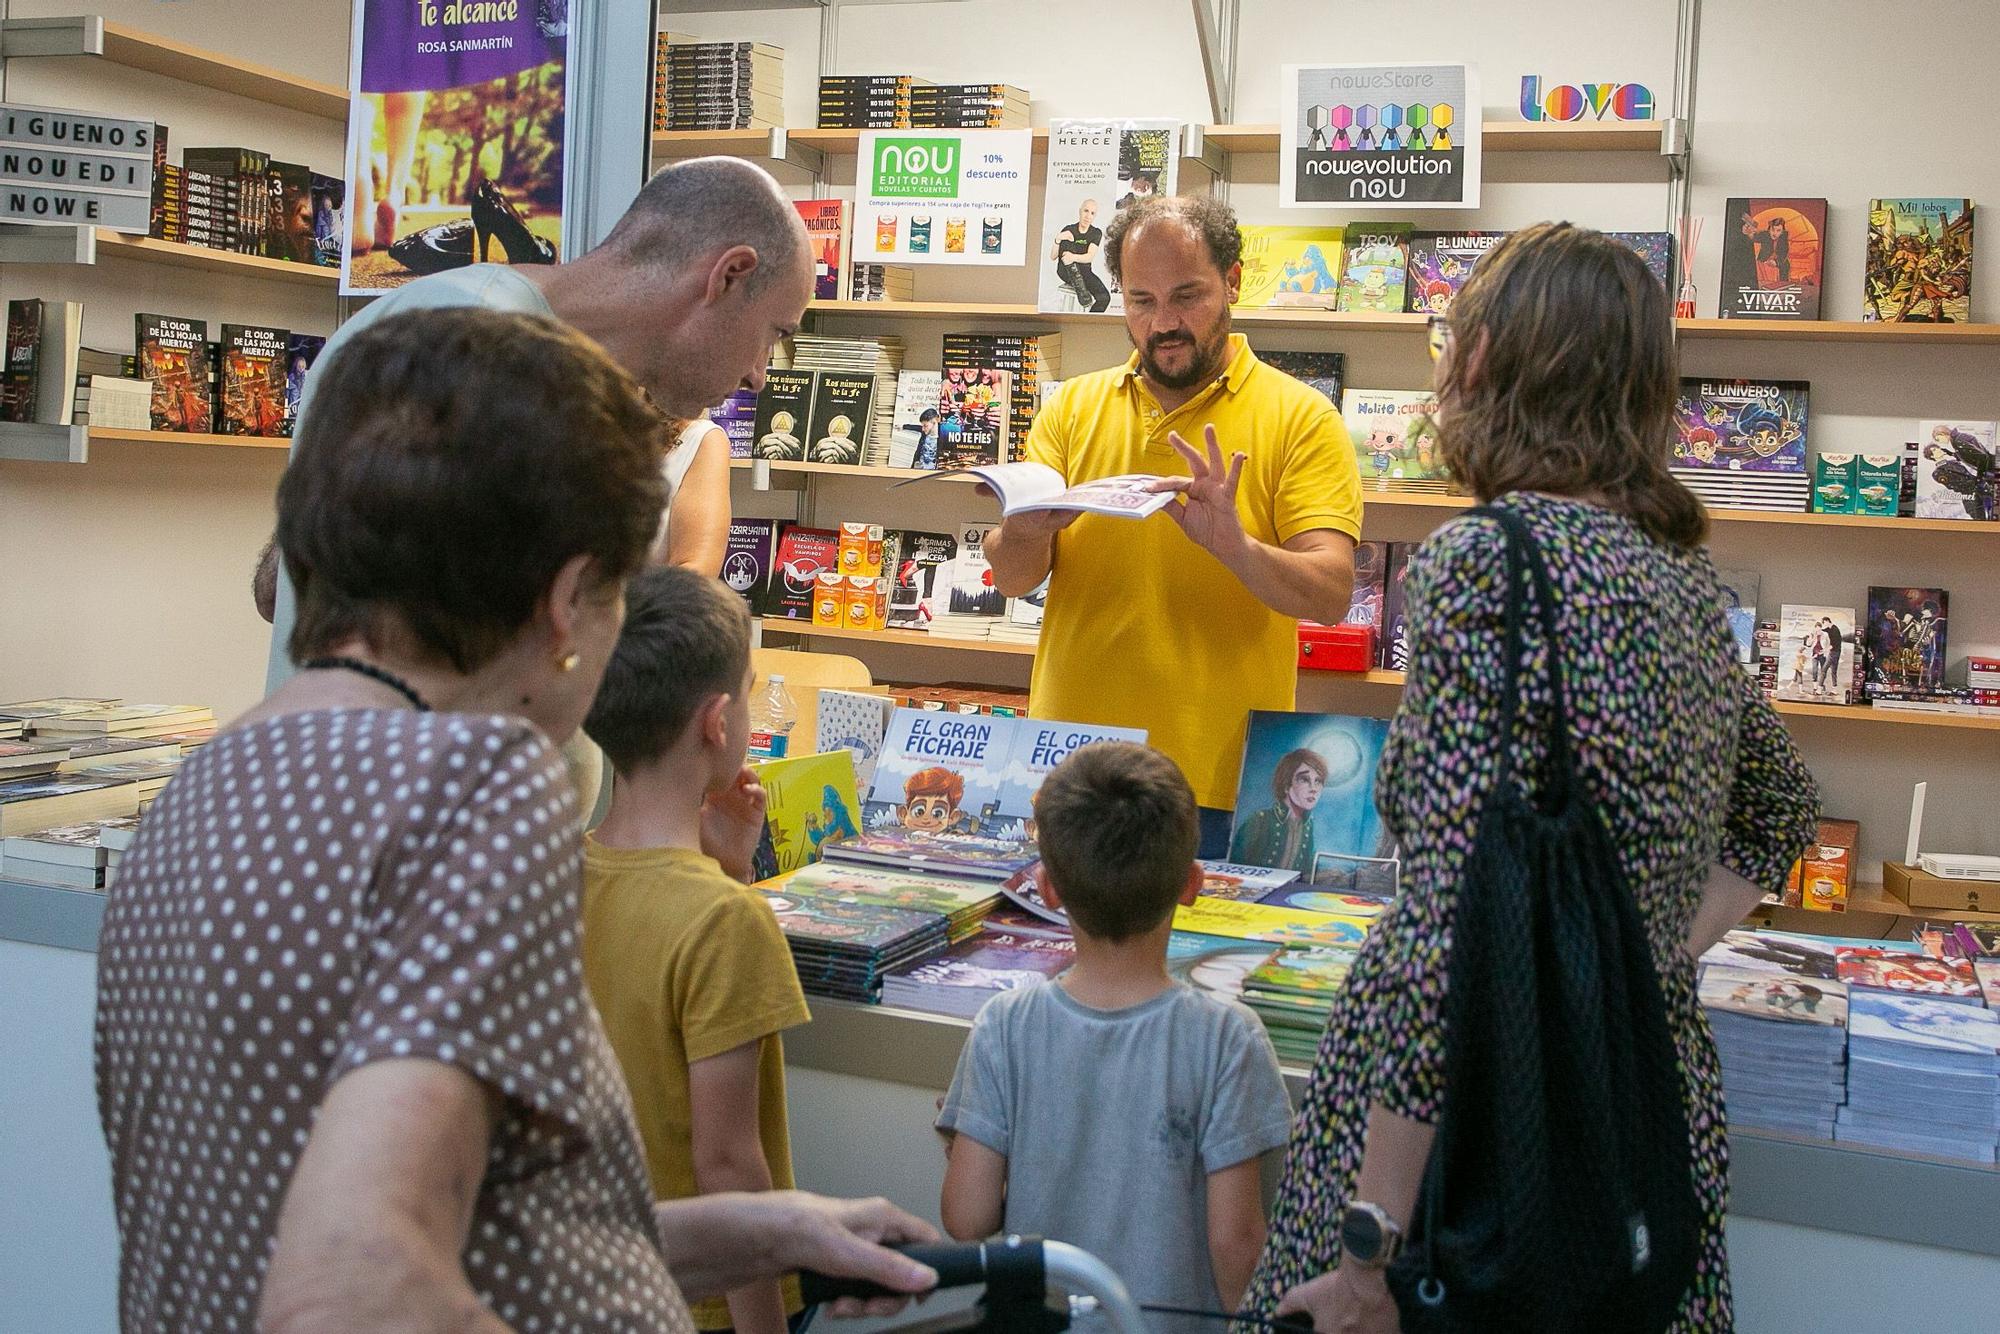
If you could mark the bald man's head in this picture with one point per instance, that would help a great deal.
(696, 209)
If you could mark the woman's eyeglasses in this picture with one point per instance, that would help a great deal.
(1438, 331)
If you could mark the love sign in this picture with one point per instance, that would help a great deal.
(1567, 101)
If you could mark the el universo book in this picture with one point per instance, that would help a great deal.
(253, 380)
(1440, 262)
(173, 355)
(1742, 425)
(1773, 253)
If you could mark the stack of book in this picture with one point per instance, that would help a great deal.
(126, 721)
(1023, 622)
(883, 282)
(241, 200)
(66, 856)
(1741, 444)
(1923, 1076)
(116, 837)
(856, 378)
(1782, 1041)
(701, 85)
(49, 800)
(964, 903)
(965, 605)
(842, 950)
(960, 981)
(1030, 361)
(1907, 971)
(1293, 993)
(866, 101)
(968, 106)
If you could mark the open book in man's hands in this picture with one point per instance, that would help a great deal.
(1036, 486)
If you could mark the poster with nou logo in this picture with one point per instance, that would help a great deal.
(1379, 137)
(943, 197)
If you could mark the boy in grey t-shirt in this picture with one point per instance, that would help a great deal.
(1114, 1108)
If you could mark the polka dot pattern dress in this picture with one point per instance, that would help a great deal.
(1688, 762)
(322, 890)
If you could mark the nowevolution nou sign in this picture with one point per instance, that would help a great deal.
(1379, 137)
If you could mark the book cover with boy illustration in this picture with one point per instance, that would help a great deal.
(1440, 262)
(1308, 786)
(1741, 425)
(1395, 444)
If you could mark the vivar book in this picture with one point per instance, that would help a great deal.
(1772, 259)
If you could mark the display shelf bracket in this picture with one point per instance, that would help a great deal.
(1675, 137)
(795, 155)
(1196, 149)
(32, 442)
(47, 245)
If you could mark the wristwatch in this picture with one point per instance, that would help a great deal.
(1368, 1236)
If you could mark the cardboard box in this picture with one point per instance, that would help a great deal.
(1925, 892)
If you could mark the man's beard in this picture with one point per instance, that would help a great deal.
(1203, 365)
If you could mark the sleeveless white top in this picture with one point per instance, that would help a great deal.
(679, 459)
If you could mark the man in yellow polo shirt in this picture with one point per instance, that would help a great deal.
(1183, 622)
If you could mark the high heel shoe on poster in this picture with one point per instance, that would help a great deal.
(493, 216)
(448, 245)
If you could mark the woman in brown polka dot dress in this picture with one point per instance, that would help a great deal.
(1556, 387)
(346, 1064)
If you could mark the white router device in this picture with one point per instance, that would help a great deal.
(1943, 865)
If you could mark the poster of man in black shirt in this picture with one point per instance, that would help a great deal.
(1075, 250)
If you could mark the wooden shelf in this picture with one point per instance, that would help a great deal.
(177, 255)
(1862, 713)
(848, 142)
(1842, 331)
(843, 470)
(944, 310)
(1849, 522)
(914, 638)
(190, 438)
(121, 44)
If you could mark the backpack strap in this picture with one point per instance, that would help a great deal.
(1524, 558)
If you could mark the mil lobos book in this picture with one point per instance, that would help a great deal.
(253, 380)
(173, 354)
(784, 407)
(1919, 261)
(840, 416)
(1772, 259)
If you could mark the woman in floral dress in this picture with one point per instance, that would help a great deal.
(1556, 379)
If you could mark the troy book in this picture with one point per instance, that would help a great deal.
(1375, 266)
(1772, 259)
(1919, 261)
(253, 380)
(173, 354)
(1741, 425)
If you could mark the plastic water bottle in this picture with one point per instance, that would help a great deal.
(772, 717)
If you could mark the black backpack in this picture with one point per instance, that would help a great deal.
(1560, 1193)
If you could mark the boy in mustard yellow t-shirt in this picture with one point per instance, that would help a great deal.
(685, 961)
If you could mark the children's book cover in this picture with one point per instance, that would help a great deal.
(1925, 1021)
(1796, 1000)
(1739, 590)
(1919, 262)
(994, 961)
(1308, 786)
(1249, 884)
(996, 859)
(1656, 248)
(1772, 251)
(1741, 425)
(253, 379)
(959, 900)
(1290, 266)
(1440, 262)
(1815, 654)
(810, 801)
(784, 411)
(1308, 897)
(914, 574)
(1371, 575)
(840, 416)
(856, 926)
(973, 403)
(1395, 443)
(173, 354)
(1777, 953)
(1323, 371)
(1957, 476)
(1214, 964)
(1278, 926)
(1911, 974)
(1318, 971)
(855, 722)
(940, 773)
(1036, 748)
(1906, 639)
(1374, 270)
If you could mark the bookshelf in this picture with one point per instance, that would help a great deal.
(120, 44)
(151, 250)
(841, 470)
(909, 638)
(204, 438)
(1851, 522)
(1843, 331)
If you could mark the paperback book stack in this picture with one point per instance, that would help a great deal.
(965, 604)
(1741, 444)
(855, 379)
(116, 837)
(962, 979)
(1030, 361)
(968, 106)
(1923, 1076)
(67, 857)
(1904, 970)
(1293, 993)
(1782, 1039)
(963, 903)
(126, 720)
(883, 282)
(866, 101)
(843, 949)
(717, 85)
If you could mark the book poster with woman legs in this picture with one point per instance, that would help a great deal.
(454, 137)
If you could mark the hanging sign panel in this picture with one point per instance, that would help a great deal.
(1096, 169)
(943, 197)
(454, 138)
(1379, 137)
(61, 167)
